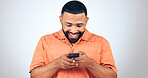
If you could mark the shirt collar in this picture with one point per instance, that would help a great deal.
(85, 37)
(61, 35)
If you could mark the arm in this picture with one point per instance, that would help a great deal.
(96, 69)
(99, 71)
(46, 71)
(50, 69)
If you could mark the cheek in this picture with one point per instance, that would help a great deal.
(65, 28)
(82, 29)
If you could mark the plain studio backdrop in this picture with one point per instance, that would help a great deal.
(124, 23)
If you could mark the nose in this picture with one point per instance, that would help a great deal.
(73, 29)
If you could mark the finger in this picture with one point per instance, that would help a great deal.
(66, 63)
(73, 61)
(81, 53)
(68, 67)
(77, 64)
(80, 61)
(78, 58)
(67, 59)
(80, 64)
(67, 54)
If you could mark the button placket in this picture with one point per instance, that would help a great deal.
(75, 45)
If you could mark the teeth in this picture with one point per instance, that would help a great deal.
(73, 35)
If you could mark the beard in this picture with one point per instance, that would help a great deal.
(73, 40)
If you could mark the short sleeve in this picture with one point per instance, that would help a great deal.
(106, 56)
(38, 58)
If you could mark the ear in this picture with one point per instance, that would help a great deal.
(60, 17)
(87, 19)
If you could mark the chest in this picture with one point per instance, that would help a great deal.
(58, 48)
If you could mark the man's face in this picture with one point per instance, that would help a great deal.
(73, 25)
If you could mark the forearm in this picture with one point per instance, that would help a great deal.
(46, 71)
(101, 72)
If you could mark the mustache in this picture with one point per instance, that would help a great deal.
(73, 33)
(73, 40)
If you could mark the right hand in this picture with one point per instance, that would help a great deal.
(64, 62)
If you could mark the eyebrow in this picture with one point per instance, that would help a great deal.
(79, 23)
(68, 22)
(76, 24)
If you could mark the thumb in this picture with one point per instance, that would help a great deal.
(81, 52)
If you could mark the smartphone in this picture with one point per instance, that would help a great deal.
(73, 55)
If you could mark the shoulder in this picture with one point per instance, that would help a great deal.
(98, 38)
(46, 37)
(93, 37)
(101, 41)
(53, 35)
(49, 37)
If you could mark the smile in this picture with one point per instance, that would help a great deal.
(73, 35)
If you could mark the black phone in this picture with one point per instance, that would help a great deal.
(73, 55)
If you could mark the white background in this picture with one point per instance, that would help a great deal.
(124, 23)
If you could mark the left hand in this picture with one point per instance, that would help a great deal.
(83, 60)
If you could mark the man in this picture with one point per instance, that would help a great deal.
(50, 58)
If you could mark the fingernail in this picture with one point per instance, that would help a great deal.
(77, 64)
(74, 61)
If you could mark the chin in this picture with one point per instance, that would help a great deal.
(73, 40)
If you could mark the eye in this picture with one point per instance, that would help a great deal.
(68, 25)
(80, 25)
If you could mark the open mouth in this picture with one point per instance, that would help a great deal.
(73, 36)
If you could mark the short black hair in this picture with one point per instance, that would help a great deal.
(74, 7)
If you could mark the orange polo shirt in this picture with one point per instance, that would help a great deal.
(55, 45)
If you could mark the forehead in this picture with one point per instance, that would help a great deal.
(69, 17)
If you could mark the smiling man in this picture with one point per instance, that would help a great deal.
(73, 25)
(50, 59)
